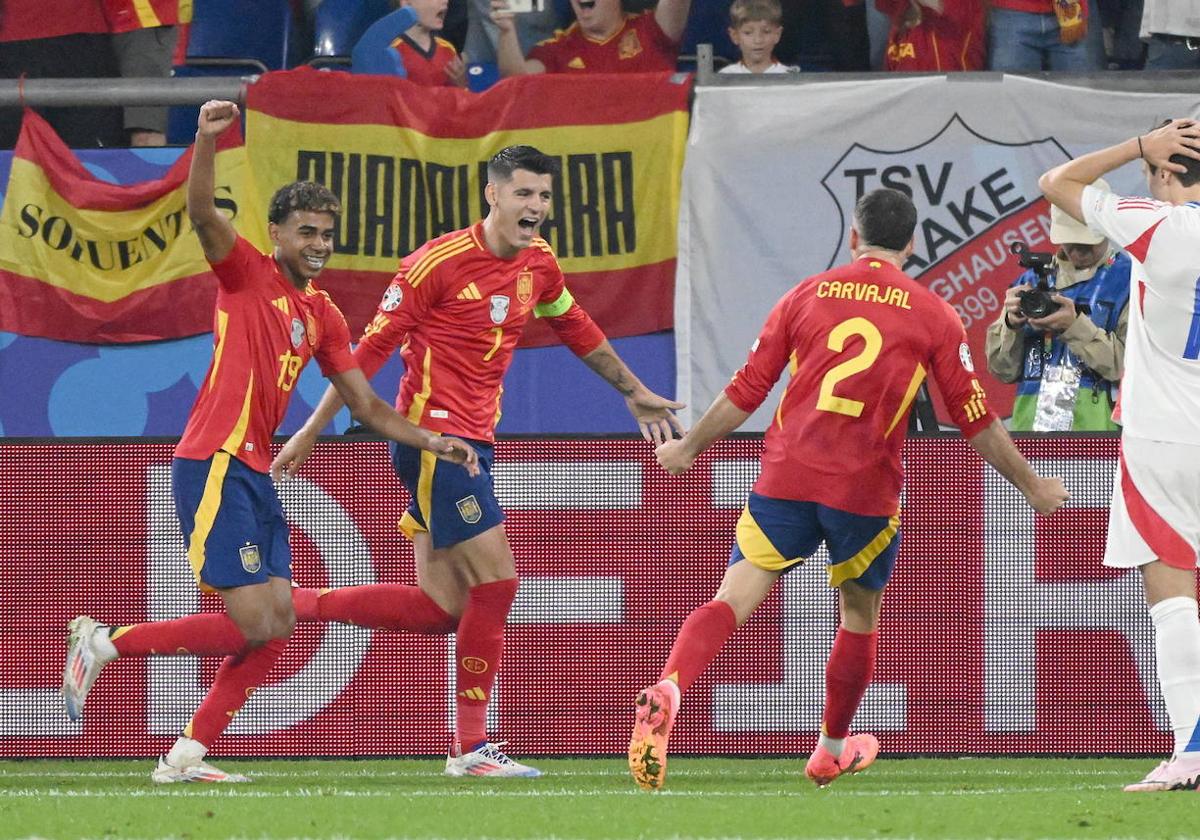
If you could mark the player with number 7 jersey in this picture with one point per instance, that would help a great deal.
(858, 340)
(456, 310)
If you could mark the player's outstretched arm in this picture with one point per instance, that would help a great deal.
(1063, 185)
(216, 233)
(351, 388)
(1045, 495)
(655, 415)
(722, 417)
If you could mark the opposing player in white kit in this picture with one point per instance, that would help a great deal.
(1154, 522)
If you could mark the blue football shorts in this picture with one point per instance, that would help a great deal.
(232, 522)
(779, 534)
(446, 501)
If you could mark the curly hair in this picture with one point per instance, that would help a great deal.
(304, 197)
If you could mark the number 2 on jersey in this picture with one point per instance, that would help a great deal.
(838, 336)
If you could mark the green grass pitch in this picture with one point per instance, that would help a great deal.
(590, 799)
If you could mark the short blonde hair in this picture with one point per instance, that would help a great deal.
(750, 11)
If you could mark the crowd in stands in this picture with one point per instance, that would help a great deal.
(472, 43)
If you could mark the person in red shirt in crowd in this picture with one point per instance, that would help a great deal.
(934, 35)
(58, 39)
(858, 341)
(145, 34)
(428, 59)
(1034, 35)
(455, 312)
(603, 39)
(269, 322)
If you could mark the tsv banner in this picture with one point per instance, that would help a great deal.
(770, 204)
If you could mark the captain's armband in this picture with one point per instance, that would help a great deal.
(555, 307)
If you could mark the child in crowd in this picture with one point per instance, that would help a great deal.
(396, 45)
(755, 27)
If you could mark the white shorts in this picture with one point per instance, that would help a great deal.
(1155, 512)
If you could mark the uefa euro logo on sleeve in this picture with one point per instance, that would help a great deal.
(469, 509)
(251, 559)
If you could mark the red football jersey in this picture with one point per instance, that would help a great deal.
(426, 67)
(639, 46)
(859, 340)
(457, 311)
(264, 332)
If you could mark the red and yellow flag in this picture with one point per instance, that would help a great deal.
(88, 261)
(409, 164)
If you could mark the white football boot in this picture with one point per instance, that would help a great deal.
(85, 657)
(488, 760)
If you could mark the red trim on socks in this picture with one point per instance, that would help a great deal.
(480, 646)
(380, 606)
(236, 680)
(847, 674)
(203, 634)
(699, 641)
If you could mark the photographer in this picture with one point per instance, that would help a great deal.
(1067, 363)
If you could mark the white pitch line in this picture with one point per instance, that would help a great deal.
(238, 792)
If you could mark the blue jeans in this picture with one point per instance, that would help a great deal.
(1165, 56)
(1020, 42)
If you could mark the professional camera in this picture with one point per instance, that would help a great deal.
(1038, 302)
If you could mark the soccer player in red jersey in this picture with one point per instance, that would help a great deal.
(269, 321)
(603, 39)
(456, 310)
(858, 341)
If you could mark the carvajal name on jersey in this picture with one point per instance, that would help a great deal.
(872, 292)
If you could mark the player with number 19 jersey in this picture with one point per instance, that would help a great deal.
(264, 332)
(858, 340)
(457, 311)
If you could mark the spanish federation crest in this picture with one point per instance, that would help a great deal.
(469, 510)
(392, 297)
(251, 559)
(525, 286)
(297, 332)
(499, 311)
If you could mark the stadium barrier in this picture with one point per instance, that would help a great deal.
(1001, 632)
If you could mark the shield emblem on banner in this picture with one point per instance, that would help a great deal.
(469, 509)
(499, 310)
(525, 286)
(251, 559)
(974, 196)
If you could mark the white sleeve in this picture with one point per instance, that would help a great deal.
(1128, 222)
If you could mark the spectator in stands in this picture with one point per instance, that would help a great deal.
(1173, 32)
(144, 36)
(1122, 20)
(58, 39)
(412, 49)
(532, 27)
(603, 39)
(755, 27)
(934, 35)
(1068, 363)
(1035, 35)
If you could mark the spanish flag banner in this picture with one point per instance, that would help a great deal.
(409, 163)
(88, 261)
